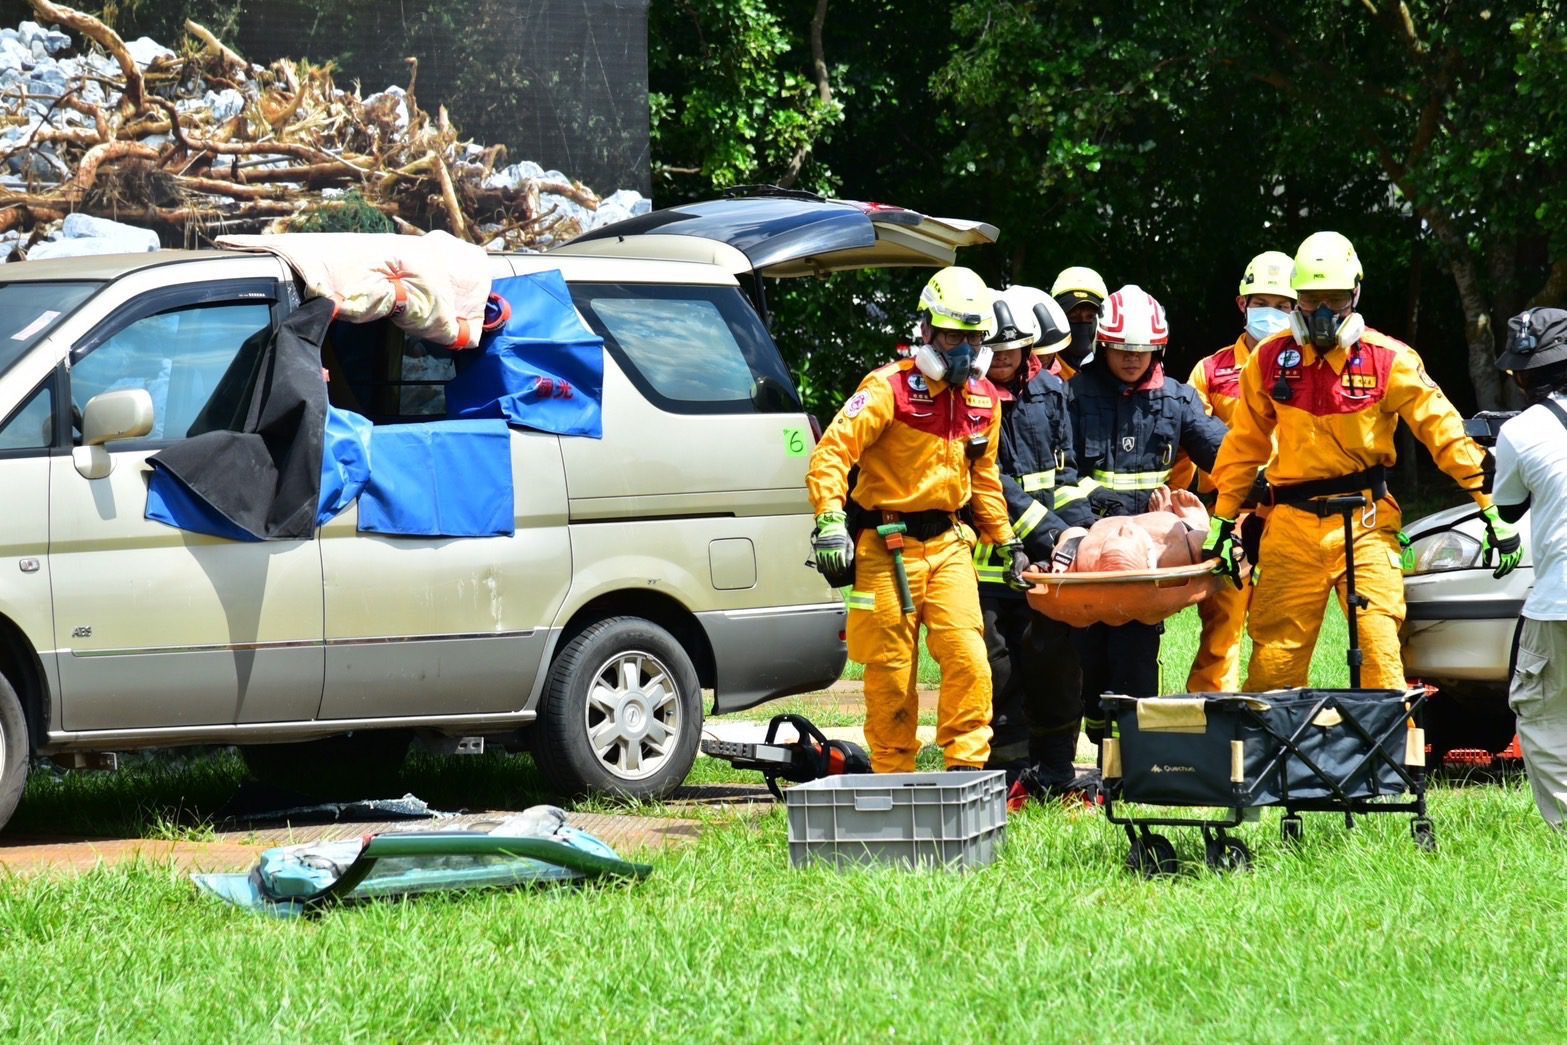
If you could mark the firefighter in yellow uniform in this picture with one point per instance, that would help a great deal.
(1265, 301)
(924, 433)
(1328, 393)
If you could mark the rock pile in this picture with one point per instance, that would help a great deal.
(198, 142)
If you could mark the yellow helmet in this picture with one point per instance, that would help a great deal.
(1269, 273)
(956, 298)
(1078, 284)
(1326, 261)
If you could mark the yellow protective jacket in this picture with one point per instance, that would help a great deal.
(1217, 381)
(1334, 415)
(909, 436)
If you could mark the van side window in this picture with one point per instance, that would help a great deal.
(374, 369)
(199, 363)
(32, 426)
(690, 349)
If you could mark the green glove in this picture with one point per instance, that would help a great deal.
(1016, 565)
(1220, 545)
(831, 545)
(1501, 536)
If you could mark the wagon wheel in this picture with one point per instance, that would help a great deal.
(1151, 856)
(1228, 854)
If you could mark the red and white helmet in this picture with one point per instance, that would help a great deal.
(1133, 321)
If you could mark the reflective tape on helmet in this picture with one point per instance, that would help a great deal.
(1025, 524)
(861, 600)
(1132, 480)
(1033, 482)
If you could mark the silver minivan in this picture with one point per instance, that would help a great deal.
(646, 567)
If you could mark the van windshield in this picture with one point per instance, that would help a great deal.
(29, 310)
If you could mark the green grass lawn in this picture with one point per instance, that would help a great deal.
(1354, 936)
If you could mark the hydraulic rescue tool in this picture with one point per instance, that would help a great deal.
(810, 756)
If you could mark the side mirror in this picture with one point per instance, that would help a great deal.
(123, 414)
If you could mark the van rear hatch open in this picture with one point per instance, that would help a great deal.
(781, 234)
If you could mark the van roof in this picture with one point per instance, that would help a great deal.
(105, 267)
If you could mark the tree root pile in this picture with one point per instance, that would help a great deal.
(200, 142)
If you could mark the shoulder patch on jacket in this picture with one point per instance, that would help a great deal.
(856, 404)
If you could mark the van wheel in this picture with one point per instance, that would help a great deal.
(15, 754)
(621, 714)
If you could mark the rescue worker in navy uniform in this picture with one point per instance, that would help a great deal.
(1129, 421)
(1036, 687)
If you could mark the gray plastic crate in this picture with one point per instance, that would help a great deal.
(945, 819)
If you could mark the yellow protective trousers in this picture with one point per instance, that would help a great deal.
(946, 601)
(1302, 561)
(1217, 666)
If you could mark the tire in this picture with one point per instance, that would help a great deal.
(15, 751)
(628, 683)
(343, 768)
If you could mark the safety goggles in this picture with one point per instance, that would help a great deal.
(954, 338)
(1336, 300)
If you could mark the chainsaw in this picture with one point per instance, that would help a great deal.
(809, 757)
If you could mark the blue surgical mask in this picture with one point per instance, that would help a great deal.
(1262, 322)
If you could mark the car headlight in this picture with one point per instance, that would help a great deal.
(1447, 550)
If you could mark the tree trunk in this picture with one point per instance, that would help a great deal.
(1478, 336)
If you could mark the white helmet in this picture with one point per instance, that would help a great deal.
(1031, 318)
(1133, 321)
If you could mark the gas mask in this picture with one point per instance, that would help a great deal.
(1323, 330)
(954, 366)
(1082, 341)
(1262, 321)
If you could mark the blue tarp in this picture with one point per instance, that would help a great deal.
(543, 369)
(345, 461)
(172, 503)
(443, 479)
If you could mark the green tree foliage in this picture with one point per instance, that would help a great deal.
(737, 97)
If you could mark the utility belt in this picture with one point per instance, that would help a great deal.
(919, 526)
(1304, 495)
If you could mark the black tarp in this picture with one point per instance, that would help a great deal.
(266, 479)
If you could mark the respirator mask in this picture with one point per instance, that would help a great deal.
(953, 365)
(1324, 329)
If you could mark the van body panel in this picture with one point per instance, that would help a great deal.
(416, 625)
(159, 626)
(775, 652)
(24, 546)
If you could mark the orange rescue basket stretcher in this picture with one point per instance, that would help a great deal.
(1121, 596)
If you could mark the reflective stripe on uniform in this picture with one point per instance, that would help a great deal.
(862, 600)
(1067, 494)
(1087, 485)
(1132, 480)
(1024, 524)
(1033, 482)
(986, 566)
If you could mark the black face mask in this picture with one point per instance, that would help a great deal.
(1082, 340)
(1322, 328)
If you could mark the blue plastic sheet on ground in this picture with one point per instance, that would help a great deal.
(345, 461)
(441, 479)
(172, 503)
(543, 370)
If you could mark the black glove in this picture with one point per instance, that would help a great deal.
(1015, 567)
(1041, 543)
(1106, 503)
(1251, 538)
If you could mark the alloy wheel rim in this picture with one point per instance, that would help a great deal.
(633, 715)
